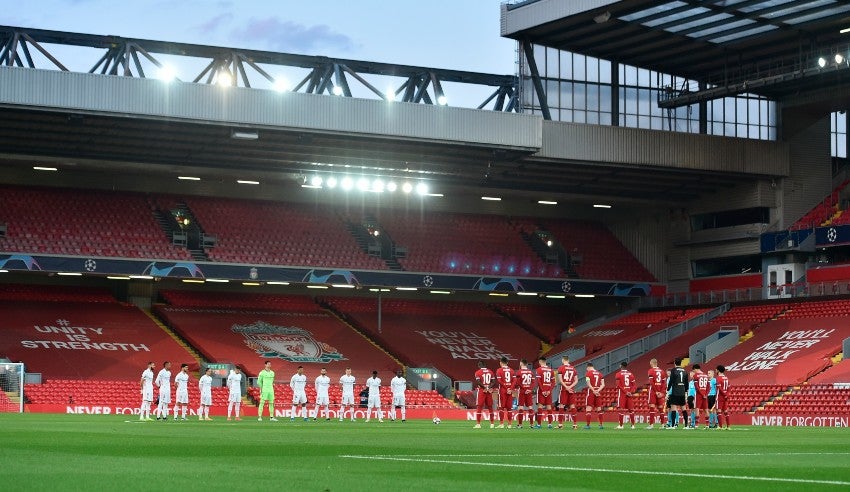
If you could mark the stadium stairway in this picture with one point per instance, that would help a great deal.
(180, 341)
(347, 322)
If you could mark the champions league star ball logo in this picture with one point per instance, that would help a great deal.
(831, 234)
(286, 342)
(427, 281)
(566, 286)
(90, 265)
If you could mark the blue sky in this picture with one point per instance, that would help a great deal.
(455, 34)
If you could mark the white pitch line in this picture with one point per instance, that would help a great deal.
(603, 470)
(579, 455)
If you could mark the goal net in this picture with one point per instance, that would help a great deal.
(11, 387)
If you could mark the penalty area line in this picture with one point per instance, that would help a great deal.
(603, 470)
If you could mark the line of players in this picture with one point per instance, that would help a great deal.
(665, 394)
(265, 381)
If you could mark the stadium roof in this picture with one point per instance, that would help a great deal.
(714, 41)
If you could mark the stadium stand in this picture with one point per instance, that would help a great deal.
(85, 340)
(451, 336)
(817, 399)
(545, 322)
(838, 373)
(827, 212)
(276, 233)
(785, 351)
(594, 251)
(72, 222)
(817, 309)
(54, 293)
(290, 331)
(623, 330)
(106, 392)
(748, 317)
(462, 243)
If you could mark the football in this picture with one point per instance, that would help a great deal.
(437, 420)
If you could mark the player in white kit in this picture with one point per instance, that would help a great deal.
(234, 399)
(347, 383)
(181, 381)
(163, 382)
(374, 385)
(322, 385)
(398, 385)
(205, 387)
(298, 383)
(146, 387)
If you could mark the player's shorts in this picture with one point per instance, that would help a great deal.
(506, 400)
(524, 399)
(347, 400)
(624, 401)
(206, 399)
(546, 401)
(299, 397)
(147, 394)
(183, 396)
(165, 395)
(323, 400)
(721, 402)
(567, 399)
(398, 400)
(234, 397)
(678, 400)
(267, 396)
(484, 399)
(592, 401)
(374, 401)
(712, 400)
(652, 397)
(690, 402)
(701, 402)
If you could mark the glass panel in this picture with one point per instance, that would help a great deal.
(566, 65)
(817, 15)
(578, 67)
(651, 11)
(579, 98)
(579, 117)
(592, 69)
(765, 5)
(605, 119)
(592, 118)
(699, 22)
(566, 95)
(605, 71)
(723, 27)
(798, 8)
(675, 17)
(592, 97)
(605, 98)
(743, 34)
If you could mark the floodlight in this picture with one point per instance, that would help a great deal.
(363, 184)
(390, 95)
(337, 90)
(316, 181)
(347, 183)
(839, 59)
(378, 186)
(407, 187)
(391, 186)
(821, 62)
(224, 79)
(421, 188)
(442, 101)
(331, 182)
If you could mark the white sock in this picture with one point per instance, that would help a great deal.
(403, 413)
(207, 412)
(229, 409)
(294, 411)
(184, 411)
(238, 404)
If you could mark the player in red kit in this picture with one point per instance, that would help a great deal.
(657, 392)
(567, 378)
(524, 387)
(545, 387)
(702, 383)
(626, 387)
(485, 380)
(593, 396)
(505, 377)
(722, 384)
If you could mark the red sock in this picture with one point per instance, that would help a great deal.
(574, 415)
(599, 416)
(632, 418)
(587, 415)
(510, 416)
(620, 418)
(520, 416)
(652, 417)
(477, 416)
(492, 416)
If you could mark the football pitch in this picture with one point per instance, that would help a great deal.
(95, 452)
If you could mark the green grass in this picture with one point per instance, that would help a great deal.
(90, 452)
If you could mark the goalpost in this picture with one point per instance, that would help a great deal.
(11, 387)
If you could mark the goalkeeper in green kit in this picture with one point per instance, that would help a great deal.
(265, 380)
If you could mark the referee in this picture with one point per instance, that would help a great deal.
(677, 385)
